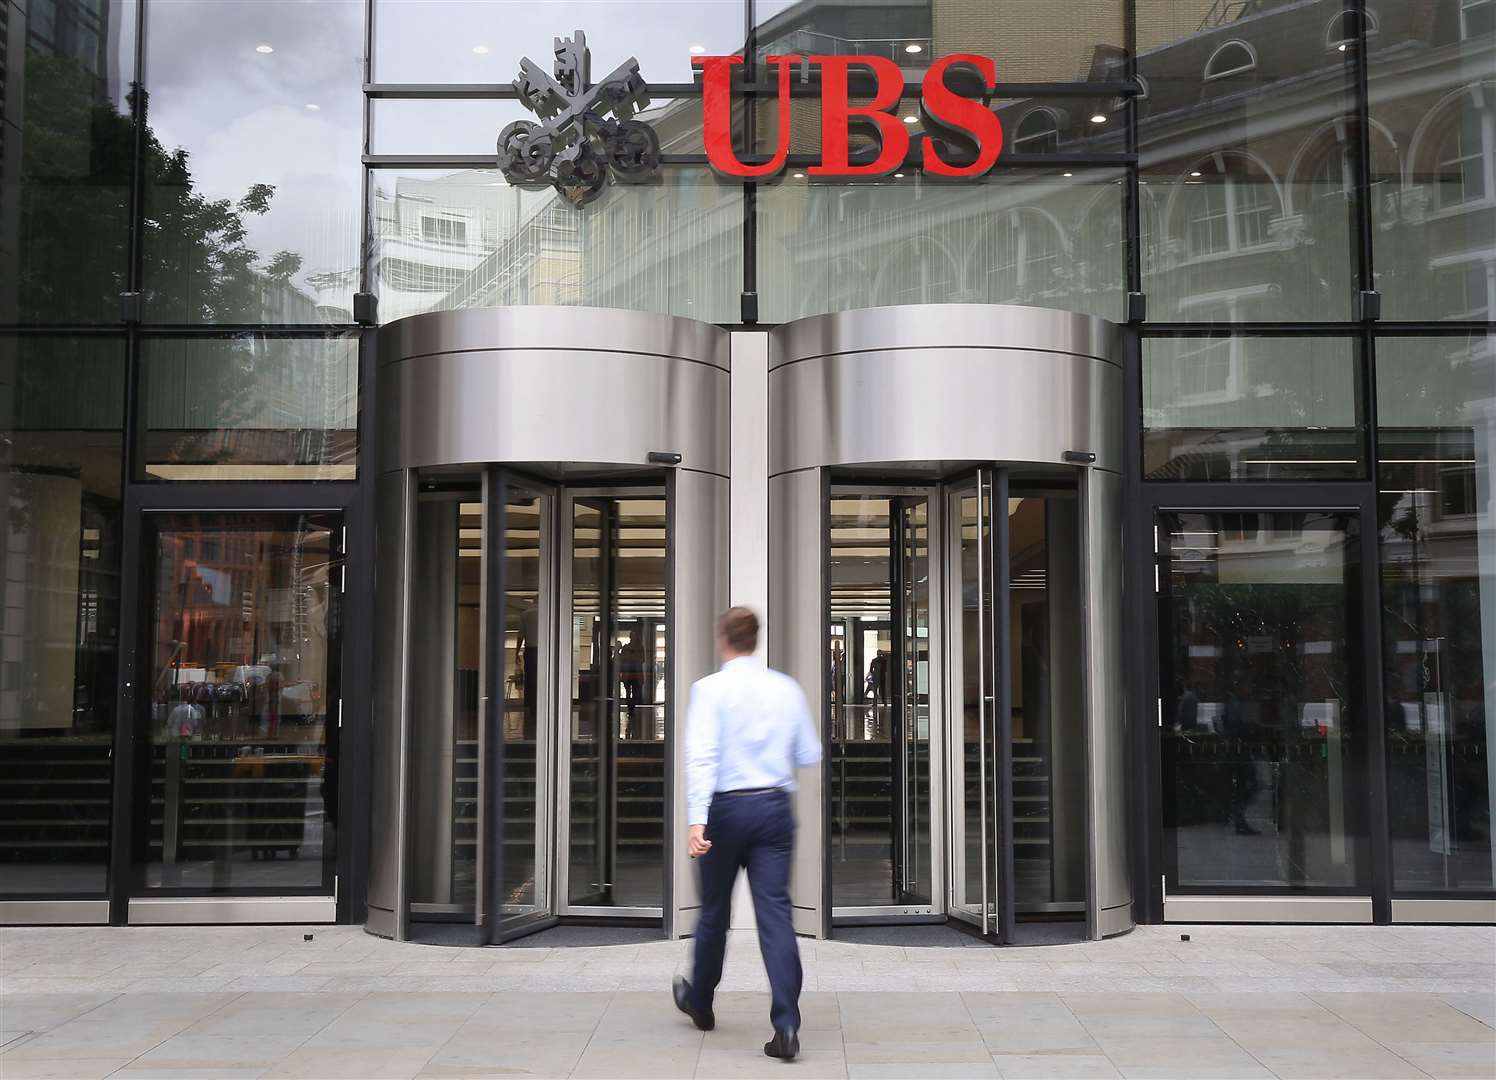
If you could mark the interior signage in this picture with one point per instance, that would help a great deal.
(961, 136)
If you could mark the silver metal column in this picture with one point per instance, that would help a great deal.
(1109, 901)
(698, 584)
(797, 644)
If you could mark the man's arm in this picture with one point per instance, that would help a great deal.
(807, 739)
(703, 751)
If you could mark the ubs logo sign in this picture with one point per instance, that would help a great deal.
(589, 131)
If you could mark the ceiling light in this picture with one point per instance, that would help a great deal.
(697, 50)
(914, 48)
(799, 176)
(1098, 118)
(1341, 46)
(1067, 174)
(264, 49)
(898, 176)
(911, 119)
(481, 50)
(311, 107)
(1195, 173)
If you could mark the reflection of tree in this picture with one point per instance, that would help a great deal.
(74, 218)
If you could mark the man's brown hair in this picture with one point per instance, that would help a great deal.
(738, 626)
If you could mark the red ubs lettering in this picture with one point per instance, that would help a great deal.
(962, 137)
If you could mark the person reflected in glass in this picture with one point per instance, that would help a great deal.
(1241, 773)
(631, 674)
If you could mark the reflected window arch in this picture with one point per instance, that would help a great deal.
(1463, 155)
(1018, 256)
(1232, 58)
(1038, 132)
(1227, 203)
(1344, 28)
(918, 271)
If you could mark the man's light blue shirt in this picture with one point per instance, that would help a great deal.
(747, 727)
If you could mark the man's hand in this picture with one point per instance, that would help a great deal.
(696, 843)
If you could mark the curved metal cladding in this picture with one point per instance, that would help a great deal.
(561, 386)
(937, 387)
(570, 392)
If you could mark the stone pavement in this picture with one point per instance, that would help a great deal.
(1233, 1002)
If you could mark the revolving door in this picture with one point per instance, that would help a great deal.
(548, 585)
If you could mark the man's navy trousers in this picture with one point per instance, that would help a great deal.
(756, 831)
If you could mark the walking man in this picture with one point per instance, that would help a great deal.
(747, 730)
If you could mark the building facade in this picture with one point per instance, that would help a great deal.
(365, 513)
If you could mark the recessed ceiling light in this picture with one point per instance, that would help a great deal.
(1067, 174)
(914, 48)
(697, 50)
(898, 176)
(1342, 46)
(264, 49)
(481, 50)
(1098, 118)
(799, 176)
(311, 107)
(1195, 173)
(911, 119)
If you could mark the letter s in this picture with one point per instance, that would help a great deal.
(960, 123)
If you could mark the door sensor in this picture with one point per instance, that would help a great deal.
(664, 457)
(1080, 457)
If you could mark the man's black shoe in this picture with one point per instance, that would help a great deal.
(785, 1045)
(682, 991)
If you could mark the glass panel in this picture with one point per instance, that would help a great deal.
(1260, 723)
(1437, 439)
(974, 534)
(863, 792)
(242, 793)
(1046, 638)
(61, 446)
(1030, 44)
(916, 869)
(1245, 140)
(1243, 407)
(1432, 76)
(525, 546)
(638, 646)
(460, 126)
(447, 646)
(619, 702)
(482, 41)
(466, 239)
(879, 642)
(1018, 237)
(251, 408)
(590, 764)
(252, 174)
(65, 191)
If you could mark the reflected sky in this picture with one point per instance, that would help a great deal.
(482, 41)
(289, 116)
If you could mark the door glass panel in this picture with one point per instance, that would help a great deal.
(972, 532)
(616, 757)
(523, 642)
(1260, 721)
(589, 760)
(879, 642)
(916, 869)
(242, 783)
(446, 646)
(1048, 783)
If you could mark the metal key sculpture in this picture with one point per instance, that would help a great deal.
(579, 142)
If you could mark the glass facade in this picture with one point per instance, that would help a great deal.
(1292, 203)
